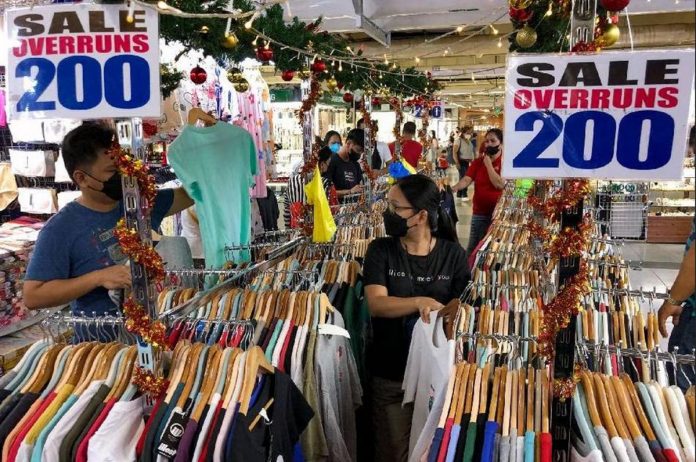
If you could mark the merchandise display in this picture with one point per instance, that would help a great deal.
(193, 266)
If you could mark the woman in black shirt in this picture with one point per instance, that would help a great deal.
(418, 269)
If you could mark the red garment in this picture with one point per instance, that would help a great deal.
(26, 428)
(284, 350)
(442, 455)
(209, 437)
(84, 444)
(410, 150)
(141, 441)
(670, 455)
(485, 194)
(546, 444)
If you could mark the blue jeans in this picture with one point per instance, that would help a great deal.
(463, 166)
(479, 227)
(683, 336)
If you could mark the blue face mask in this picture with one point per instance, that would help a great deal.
(335, 147)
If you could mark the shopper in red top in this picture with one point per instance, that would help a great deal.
(411, 150)
(484, 172)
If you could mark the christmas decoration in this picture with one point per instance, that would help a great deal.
(287, 75)
(519, 4)
(169, 79)
(520, 15)
(610, 36)
(526, 37)
(311, 101)
(230, 40)
(136, 251)
(305, 73)
(376, 101)
(614, 5)
(234, 74)
(241, 86)
(264, 53)
(332, 84)
(147, 383)
(584, 47)
(198, 75)
(138, 322)
(318, 66)
(348, 97)
(128, 166)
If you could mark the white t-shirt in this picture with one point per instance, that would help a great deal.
(192, 232)
(384, 153)
(118, 435)
(430, 361)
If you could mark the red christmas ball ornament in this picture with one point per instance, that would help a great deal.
(264, 53)
(614, 5)
(520, 14)
(318, 66)
(198, 75)
(348, 97)
(287, 75)
(376, 101)
(340, 86)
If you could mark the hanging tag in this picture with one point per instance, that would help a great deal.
(172, 435)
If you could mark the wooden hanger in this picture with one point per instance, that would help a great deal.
(604, 412)
(510, 412)
(458, 393)
(521, 401)
(190, 372)
(616, 414)
(44, 370)
(493, 408)
(475, 405)
(463, 377)
(196, 114)
(626, 408)
(125, 372)
(530, 399)
(470, 390)
(483, 399)
(638, 407)
(209, 381)
(255, 362)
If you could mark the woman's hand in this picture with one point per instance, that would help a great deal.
(426, 305)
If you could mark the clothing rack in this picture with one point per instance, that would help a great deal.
(274, 257)
(689, 359)
(640, 292)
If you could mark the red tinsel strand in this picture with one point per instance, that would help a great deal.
(147, 383)
(571, 242)
(138, 322)
(128, 166)
(311, 101)
(134, 249)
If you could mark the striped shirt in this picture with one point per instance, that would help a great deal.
(295, 193)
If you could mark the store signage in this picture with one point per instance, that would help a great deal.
(437, 111)
(82, 62)
(606, 115)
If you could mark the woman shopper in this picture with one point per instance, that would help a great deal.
(434, 148)
(463, 155)
(416, 270)
(333, 141)
(484, 172)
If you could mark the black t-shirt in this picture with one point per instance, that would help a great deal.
(343, 174)
(289, 415)
(442, 275)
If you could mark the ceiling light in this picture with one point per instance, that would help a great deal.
(417, 60)
(460, 29)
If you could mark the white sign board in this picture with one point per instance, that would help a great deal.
(610, 115)
(82, 62)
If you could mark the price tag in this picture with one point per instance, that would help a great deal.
(82, 62)
(611, 115)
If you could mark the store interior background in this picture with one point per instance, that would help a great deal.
(464, 45)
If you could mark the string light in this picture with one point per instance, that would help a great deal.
(494, 30)
(129, 16)
(256, 41)
(549, 12)
(162, 5)
(267, 45)
(386, 61)
(250, 22)
(418, 60)
(500, 43)
(460, 29)
(340, 66)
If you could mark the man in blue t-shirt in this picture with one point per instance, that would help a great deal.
(77, 259)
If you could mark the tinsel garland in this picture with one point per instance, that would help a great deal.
(574, 190)
(396, 107)
(311, 100)
(571, 242)
(128, 166)
(564, 388)
(134, 249)
(367, 122)
(138, 322)
(147, 383)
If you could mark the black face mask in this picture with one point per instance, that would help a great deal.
(395, 225)
(112, 188)
(354, 156)
(492, 150)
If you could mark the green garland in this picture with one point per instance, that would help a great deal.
(208, 36)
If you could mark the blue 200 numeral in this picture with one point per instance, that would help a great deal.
(604, 138)
(90, 95)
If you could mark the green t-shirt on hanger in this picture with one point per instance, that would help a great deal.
(217, 165)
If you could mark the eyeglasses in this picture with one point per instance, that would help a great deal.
(394, 208)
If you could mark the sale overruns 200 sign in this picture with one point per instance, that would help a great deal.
(607, 115)
(82, 62)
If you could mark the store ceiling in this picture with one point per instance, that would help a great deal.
(417, 29)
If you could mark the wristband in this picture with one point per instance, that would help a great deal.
(672, 301)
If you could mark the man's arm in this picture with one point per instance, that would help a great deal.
(684, 286)
(462, 184)
(181, 202)
(46, 294)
